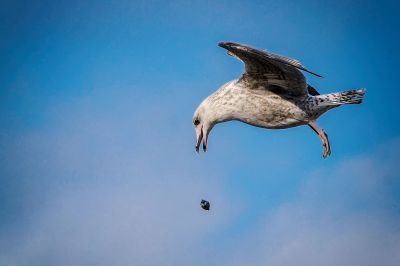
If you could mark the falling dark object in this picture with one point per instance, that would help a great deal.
(205, 205)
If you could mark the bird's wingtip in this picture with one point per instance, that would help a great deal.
(315, 74)
(223, 44)
(228, 45)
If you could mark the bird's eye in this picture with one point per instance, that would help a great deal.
(196, 122)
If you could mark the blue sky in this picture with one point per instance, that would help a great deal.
(97, 159)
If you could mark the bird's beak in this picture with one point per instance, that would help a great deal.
(205, 142)
(202, 135)
(199, 138)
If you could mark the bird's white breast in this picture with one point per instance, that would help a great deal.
(259, 108)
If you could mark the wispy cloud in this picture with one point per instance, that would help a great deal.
(347, 214)
(110, 192)
(117, 190)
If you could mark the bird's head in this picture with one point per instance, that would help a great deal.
(204, 120)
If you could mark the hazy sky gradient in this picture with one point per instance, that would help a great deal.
(97, 159)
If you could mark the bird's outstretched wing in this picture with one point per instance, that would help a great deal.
(270, 71)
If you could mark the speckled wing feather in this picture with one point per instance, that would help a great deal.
(269, 71)
(290, 61)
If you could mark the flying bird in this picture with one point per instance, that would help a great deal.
(272, 93)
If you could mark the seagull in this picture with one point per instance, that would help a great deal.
(272, 93)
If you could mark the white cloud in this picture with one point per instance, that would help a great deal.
(113, 191)
(346, 215)
(124, 189)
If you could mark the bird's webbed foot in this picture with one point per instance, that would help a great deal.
(324, 138)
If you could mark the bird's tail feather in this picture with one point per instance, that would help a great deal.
(339, 98)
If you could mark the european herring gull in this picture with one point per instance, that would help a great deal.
(272, 93)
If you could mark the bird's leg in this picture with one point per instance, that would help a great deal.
(324, 138)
